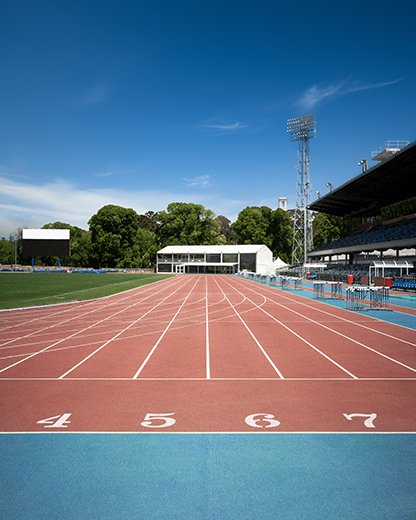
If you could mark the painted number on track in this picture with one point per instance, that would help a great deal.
(256, 420)
(369, 418)
(158, 420)
(57, 421)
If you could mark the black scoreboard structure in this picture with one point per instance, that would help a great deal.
(46, 242)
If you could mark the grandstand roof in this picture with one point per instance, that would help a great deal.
(391, 181)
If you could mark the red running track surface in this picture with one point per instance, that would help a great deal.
(209, 353)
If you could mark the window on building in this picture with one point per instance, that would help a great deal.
(182, 257)
(164, 268)
(230, 258)
(164, 258)
(248, 261)
(196, 257)
(211, 258)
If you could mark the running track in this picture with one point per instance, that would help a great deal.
(204, 354)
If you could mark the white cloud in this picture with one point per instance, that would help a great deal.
(30, 205)
(316, 94)
(200, 181)
(223, 129)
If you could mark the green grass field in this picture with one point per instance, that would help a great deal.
(30, 289)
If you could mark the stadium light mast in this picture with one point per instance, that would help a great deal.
(302, 129)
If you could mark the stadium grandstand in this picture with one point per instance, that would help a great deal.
(384, 246)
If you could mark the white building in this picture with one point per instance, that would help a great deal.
(214, 259)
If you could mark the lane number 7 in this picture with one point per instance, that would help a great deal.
(369, 421)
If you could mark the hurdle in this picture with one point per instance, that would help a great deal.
(318, 290)
(336, 290)
(359, 298)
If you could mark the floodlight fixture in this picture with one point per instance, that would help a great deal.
(364, 165)
(302, 128)
(329, 186)
(318, 194)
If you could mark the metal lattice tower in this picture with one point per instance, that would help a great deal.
(302, 129)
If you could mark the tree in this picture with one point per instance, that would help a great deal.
(281, 234)
(6, 252)
(187, 224)
(113, 233)
(326, 228)
(80, 253)
(148, 221)
(252, 226)
(226, 231)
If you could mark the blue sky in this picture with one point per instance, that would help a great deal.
(142, 103)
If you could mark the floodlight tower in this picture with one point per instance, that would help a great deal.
(302, 129)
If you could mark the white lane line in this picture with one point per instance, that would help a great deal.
(341, 334)
(318, 308)
(83, 303)
(207, 353)
(73, 335)
(204, 379)
(120, 333)
(137, 374)
(301, 338)
(251, 333)
(49, 327)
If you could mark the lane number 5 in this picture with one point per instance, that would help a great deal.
(158, 420)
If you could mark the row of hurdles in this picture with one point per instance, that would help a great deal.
(357, 297)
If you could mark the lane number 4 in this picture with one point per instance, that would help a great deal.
(57, 421)
(369, 418)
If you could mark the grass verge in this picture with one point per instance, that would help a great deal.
(31, 289)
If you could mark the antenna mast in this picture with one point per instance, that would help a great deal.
(302, 129)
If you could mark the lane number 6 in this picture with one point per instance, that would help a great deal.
(255, 420)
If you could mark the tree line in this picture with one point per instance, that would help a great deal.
(119, 237)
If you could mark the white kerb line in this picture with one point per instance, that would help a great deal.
(59, 323)
(208, 363)
(136, 375)
(74, 333)
(119, 333)
(298, 335)
(251, 333)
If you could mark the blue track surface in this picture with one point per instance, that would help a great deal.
(398, 318)
(319, 476)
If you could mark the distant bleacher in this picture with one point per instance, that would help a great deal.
(379, 233)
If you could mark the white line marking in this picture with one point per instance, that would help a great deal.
(202, 379)
(72, 335)
(136, 375)
(78, 316)
(119, 333)
(302, 339)
(81, 304)
(208, 361)
(227, 432)
(339, 334)
(251, 333)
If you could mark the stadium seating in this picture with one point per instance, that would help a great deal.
(380, 233)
